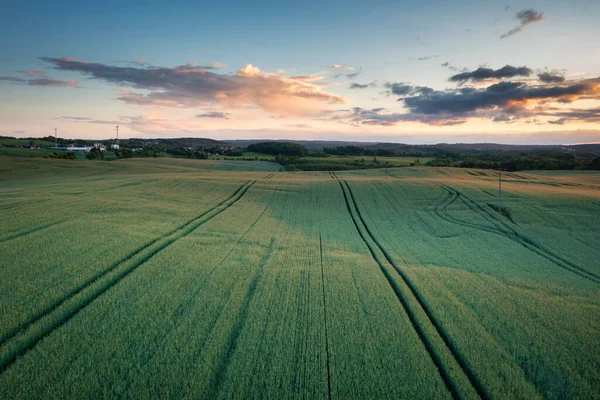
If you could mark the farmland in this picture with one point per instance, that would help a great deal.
(178, 278)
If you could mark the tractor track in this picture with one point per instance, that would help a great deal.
(504, 229)
(30, 231)
(27, 335)
(404, 301)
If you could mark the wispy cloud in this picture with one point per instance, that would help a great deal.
(32, 72)
(450, 67)
(525, 18)
(353, 75)
(427, 57)
(344, 67)
(591, 115)
(214, 114)
(40, 82)
(197, 86)
(355, 85)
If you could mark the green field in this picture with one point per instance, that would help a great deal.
(176, 278)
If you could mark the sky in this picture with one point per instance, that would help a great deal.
(427, 71)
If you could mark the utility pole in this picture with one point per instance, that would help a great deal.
(117, 133)
(55, 139)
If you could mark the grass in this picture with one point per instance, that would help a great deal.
(216, 279)
(25, 142)
(24, 152)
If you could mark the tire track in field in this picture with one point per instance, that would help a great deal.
(22, 204)
(410, 312)
(186, 304)
(325, 320)
(217, 379)
(75, 291)
(504, 229)
(30, 231)
(27, 335)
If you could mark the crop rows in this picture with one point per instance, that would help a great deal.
(22, 338)
(307, 284)
(504, 229)
(452, 382)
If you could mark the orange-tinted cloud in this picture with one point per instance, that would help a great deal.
(195, 86)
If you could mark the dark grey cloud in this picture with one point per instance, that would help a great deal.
(40, 82)
(551, 77)
(214, 114)
(525, 18)
(19, 132)
(195, 85)
(353, 75)
(404, 89)
(482, 73)
(355, 85)
(501, 102)
(509, 96)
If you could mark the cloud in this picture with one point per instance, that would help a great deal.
(307, 78)
(590, 115)
(427, 57)
(144, 124)
(140, 61)
(197, 86)
(501, 102)
(19, 132)
(344, 67)
(217, 65)
(508, 96)
(450, 67)
(280, 71)
(376, 117)
(353, 75)
(551, 77)
(40, 82)
(214, 114)
(32, 72)
(404, 89)
(355, 85)
(74, 118)
(525, 17)
(481, 73)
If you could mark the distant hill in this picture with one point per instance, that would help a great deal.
(320, 144)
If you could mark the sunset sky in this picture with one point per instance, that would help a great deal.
(396, 71)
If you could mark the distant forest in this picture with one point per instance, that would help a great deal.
(316, 155)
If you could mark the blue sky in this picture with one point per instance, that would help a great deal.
(293, 90)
